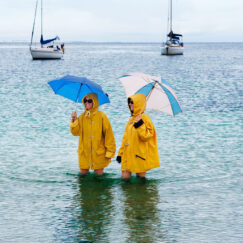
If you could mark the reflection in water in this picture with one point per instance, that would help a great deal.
(95, 200)
(132, 216)
(142, 218)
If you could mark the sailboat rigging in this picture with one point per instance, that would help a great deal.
(174, 44)
(48, 48)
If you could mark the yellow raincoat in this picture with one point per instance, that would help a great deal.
(96, 139)
(139, 150)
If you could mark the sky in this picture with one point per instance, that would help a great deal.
(123, 20)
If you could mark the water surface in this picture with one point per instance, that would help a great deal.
(196, 194)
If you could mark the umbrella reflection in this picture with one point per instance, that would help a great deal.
(141, 213)
(95, 200)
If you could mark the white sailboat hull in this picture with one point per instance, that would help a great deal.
(46, 53)
(172, 50)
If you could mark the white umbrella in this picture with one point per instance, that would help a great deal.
(159, 93)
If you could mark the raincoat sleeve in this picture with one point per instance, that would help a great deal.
(110, 144)
(75, 127)
(124, 139)
(146, 129)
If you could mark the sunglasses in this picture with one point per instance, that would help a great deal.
(130, 102)
(89, 101)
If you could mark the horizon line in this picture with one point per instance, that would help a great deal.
(118, 42)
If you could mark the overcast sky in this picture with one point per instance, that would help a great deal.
(123, 20)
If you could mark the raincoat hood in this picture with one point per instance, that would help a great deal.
(139, 104)
(94, 97)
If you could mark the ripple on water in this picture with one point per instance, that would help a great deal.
(193, 197)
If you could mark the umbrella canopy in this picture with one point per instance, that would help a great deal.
(159, 93)
(75, 88)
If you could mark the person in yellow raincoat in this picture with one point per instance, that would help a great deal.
(139, 150)
(96, 139)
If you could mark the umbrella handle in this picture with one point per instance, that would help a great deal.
(78, 97)
(76, 106)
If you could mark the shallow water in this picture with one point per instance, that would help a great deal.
(196, 194)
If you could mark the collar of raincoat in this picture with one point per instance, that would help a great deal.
(139, 104)
(94, 97)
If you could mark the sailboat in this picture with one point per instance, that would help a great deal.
(48, 49)
(174, 42)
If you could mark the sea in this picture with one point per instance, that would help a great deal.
(196, 194)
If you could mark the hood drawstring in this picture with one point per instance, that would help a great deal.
(87, 114)
(90, 114)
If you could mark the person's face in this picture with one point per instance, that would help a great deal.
(130, 105)
(88, 103)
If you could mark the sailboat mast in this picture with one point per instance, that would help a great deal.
(170, 15)
(33, 24)
(41, 21)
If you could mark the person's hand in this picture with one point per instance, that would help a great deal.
(74, 116)
(118, 159)
(138, 117)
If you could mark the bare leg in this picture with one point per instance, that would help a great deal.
(126, 174)
(84, 171)
(141, 175)
(99, 172)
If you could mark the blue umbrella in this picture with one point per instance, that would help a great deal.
(75, 88)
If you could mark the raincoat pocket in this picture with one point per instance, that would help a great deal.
(100, 151)
(139, 164)
(140, 157)
(100, 159)
(141, 152)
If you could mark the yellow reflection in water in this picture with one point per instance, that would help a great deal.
(141, 213)
(95, 199)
